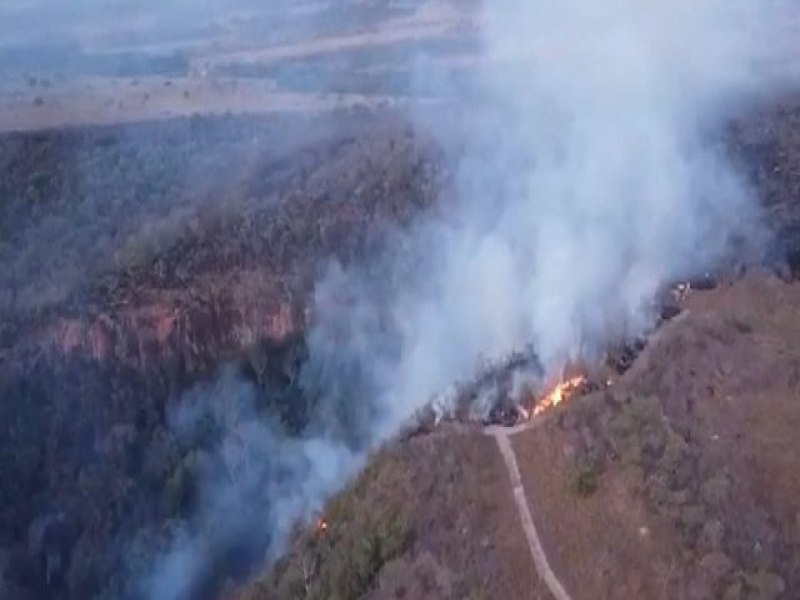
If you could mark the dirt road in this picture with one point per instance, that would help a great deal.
(502, 436)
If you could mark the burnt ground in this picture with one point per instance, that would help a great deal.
(139, 259)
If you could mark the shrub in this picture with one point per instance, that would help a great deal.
(586, 482)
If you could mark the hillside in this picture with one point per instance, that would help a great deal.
(95, 366)
(678, 481)
(250, 250)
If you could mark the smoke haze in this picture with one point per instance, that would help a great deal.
(590, 179)
(255, 483)
(588, 182)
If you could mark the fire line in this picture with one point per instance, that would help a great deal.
(559, 393)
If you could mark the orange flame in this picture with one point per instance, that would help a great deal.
(559, 393)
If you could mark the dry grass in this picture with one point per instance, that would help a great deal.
(436, 513)
(589, 513)
(683, 481)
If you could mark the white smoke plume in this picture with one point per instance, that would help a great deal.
(254, 483)
(590, 179)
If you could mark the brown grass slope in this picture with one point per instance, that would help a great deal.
(680, 481)
(683, 480)
(431, 517)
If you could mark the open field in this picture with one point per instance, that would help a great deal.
(307, 57)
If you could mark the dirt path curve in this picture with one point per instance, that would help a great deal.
(503, 438)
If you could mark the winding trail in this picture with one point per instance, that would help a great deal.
(502, 436)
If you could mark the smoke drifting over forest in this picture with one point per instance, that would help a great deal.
(591, 177)
(589, 181)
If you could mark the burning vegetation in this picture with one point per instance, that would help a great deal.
(560, 392)
(141, 261)
(322, 526)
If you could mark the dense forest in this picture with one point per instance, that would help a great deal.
(153, 267)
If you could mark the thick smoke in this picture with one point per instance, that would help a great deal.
(254, 480)
(589, 181)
